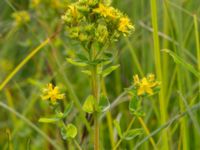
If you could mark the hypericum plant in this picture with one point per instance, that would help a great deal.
(140, 89)
(145, 87)
(54, 97)
(94, 25)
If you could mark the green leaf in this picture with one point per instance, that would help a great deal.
(109, 70)
(67, 109)
(134, 104)
(104, 103)
(76, 62)
(131, 134)
(69, 131)
(49, 120)
(183, 63)
(88, 105)
(117, 126)
(108, 54)
(88, 72)
(82, 57)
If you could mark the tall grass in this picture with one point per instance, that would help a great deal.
(166, 42)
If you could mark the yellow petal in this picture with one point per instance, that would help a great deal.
(149, 90)
(140, 91)
(136, 79)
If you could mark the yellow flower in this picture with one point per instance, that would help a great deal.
(52, 93)
(106, 11)
(21, 17)
(102, 10)
(145, 85)
(73, 11)
(125, 25)
(136, 80)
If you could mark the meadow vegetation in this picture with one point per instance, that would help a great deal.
(100, 74)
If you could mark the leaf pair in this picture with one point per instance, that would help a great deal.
(135, 106)
(59, 116)
(129, 134)
(90, 105)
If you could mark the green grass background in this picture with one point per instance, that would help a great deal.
(161, 24)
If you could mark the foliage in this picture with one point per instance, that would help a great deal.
(88, 52)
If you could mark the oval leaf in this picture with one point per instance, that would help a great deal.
(69, 131)
(109, 70)
(117, 126)
(88, 105)
(48, 120)
(76, 63)
(87, 72)
(67, 109)
(104, 103)
(134, 104)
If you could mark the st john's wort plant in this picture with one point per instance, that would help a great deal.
(94, 25)
(54, 97)
(140, 89)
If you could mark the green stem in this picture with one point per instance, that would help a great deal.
(128, 128)
(77, 145)
(23, 62)
(108, 116)
(197, 42)
(163, 106)
(95, 92)
(147, 132)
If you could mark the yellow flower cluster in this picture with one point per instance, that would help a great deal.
(94, 22)
(106, 11)
(145, 85)
(21, 17)
(52, 93)
(124, 25)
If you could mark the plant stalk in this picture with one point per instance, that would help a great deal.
(95, 92)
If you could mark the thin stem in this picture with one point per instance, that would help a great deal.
(95, 92)
(147, 132)
(197, 42)
(108, 116)
(128, 128)
(77, 145)
(163, 106)
(32, 53)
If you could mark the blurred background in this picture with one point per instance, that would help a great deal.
(42, 18)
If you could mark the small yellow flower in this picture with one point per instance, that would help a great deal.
(73, 10)
(151, 77)
(21, 17)
(106, 11)
(52, 93)
(125, 25)
(145, 85)
(102, 10)
(136, 80)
